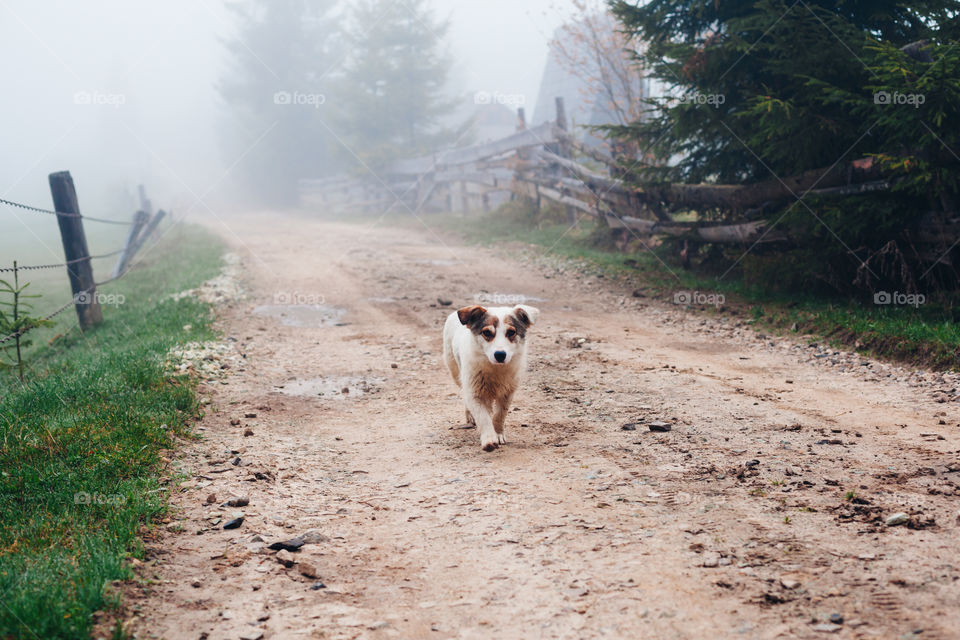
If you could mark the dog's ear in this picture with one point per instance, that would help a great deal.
(471, 314)
(526, 314)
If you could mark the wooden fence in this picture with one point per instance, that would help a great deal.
(77, 258)
(547, 163)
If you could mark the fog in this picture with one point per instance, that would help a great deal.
(122, 93)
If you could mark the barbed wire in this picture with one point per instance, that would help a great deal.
(51, 212)
(70, 302)
(62, 264)
(51, 316)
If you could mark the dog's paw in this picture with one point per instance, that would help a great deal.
(501, 439)
(488, 445)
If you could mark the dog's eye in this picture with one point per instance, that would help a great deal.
(489, 334)
(511, 333)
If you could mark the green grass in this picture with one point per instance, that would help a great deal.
(93, 418)
(34, 239)
(927, 336)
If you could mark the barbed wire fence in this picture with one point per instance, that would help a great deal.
(77, 257)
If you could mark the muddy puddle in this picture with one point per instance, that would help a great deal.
(303, 315)
(343, 387)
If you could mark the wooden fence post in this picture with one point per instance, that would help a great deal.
(145, 203)
(564, 151)
(147, 232)
(75, 248)
(139, 220)
(562, 122)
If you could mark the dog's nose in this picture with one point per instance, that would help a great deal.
(501, 356)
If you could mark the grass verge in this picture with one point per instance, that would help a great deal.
(81, 444)
(927, 335)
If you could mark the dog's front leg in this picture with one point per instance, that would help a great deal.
(500, 416)
(483, 416)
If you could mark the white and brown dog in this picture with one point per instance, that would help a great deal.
(486, 352)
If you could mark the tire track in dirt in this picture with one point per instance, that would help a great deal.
(577, 528)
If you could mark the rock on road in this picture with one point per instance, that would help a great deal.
(761, 513)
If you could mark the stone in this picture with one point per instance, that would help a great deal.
(827, 627)
(836, 618)
(307, 569)
(896, 519)
(788, 582)
(247, 433)
(233, 524)
(630, 426)
(660, 427)
(293, 544)
(211, 498)
(285, 558)
(240, 501)
(313, 536)
(711, 559)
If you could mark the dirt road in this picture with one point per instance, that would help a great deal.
(760, 514)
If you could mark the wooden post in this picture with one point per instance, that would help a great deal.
(564, 151)
(521, 119)
(145, 203)
(139, 220)
(75, 248)
(561, 113)
(150, 228)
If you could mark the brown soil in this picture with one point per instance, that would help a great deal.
(761, 513)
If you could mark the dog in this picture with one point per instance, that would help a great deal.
(486, 353)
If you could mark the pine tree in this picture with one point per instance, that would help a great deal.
(391, 96)
(277, 94)
(770, 88)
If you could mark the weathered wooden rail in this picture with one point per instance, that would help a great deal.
(547, 163)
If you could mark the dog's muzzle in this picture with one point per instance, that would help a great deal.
(500, 356)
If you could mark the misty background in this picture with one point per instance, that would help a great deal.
(122, 93)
